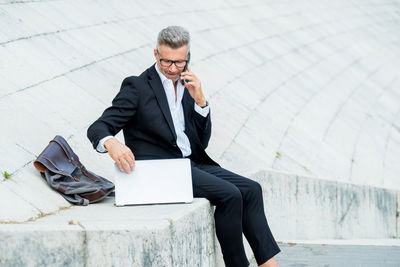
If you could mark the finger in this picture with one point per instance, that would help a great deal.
(131, 162)
(121, 162)
(192, 84)
(188, 83)
(131, 159)
(188, 78)
(126, 166)
(187, 72)
(188, 75)
(119, 165)
(132, 166)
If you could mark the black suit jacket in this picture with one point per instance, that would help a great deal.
(141, 110)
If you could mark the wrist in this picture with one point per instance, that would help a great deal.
(109, 142)
(201, 102)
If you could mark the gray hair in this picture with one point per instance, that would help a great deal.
(174, 37)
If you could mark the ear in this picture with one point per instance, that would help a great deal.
(155, 53)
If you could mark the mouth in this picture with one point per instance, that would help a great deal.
(172, 75)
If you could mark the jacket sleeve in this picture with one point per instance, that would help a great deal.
(203, 128)
(115, 117)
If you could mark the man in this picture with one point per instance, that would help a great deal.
(164, 114)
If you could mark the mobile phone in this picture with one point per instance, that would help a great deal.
(185, 68)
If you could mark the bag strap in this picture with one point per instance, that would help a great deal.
(73, 157)
(82, 201)
(89, 174)
(97, 195)
(43, 163)
(67, 149)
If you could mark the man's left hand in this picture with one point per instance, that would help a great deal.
(194, 87)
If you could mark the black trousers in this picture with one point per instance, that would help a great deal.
(239, 209)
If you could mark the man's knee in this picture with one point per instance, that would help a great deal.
(254, 189)
(232, 194)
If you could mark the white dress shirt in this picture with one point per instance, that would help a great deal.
(176, 110)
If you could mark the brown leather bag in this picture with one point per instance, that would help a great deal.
(63, 171)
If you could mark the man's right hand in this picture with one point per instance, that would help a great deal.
(121, 154)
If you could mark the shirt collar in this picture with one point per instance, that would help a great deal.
(162, 76)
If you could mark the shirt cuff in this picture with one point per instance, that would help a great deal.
(100, 147)
(202, 111)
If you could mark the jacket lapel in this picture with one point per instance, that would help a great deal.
(187, 106)
(156, 85)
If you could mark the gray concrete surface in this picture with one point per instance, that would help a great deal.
(317, 211)
(304, 97)
(340, 253)
(162, 235)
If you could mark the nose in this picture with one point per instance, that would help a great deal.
(172, 68)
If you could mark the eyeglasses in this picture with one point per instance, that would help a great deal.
(167, 62)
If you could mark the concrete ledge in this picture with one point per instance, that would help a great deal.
(169, 235)
(304, 207)
(163, 235)
(103, 235)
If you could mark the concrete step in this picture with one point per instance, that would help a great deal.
(161, 235)
(340, 253)
(297, 207)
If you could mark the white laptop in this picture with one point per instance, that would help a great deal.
(154, 182)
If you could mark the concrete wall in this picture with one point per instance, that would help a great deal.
(300, 207)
